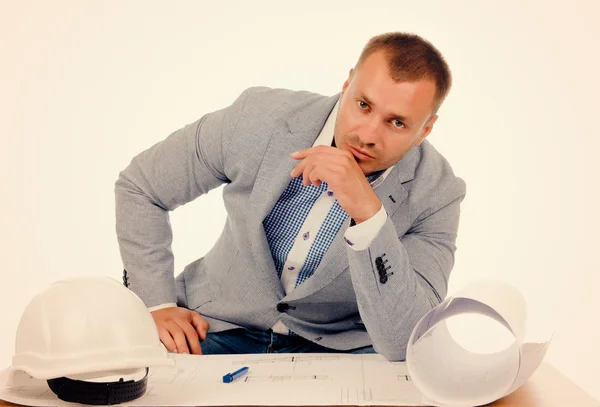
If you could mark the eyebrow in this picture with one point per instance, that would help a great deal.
(394, 116)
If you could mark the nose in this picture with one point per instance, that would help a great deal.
(369, 132)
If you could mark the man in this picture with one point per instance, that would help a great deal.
(341, 218)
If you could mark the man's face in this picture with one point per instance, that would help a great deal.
(380, 117)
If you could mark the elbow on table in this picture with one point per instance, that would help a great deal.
(392, 354)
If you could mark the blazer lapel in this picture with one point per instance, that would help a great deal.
(274, 176)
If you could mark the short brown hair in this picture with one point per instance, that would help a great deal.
(411, 58)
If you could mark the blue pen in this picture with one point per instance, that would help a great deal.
(229, 377)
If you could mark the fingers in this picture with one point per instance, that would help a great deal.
(306, 174)
(190, 337)
(166, 339)
(305, 168)
(298, 169)
(321, 165)
(175, 329)
(298, 155)
(178, 337)
(200, 324)
(313, 178)
(313, 153)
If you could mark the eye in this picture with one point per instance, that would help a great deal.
(397, 124)
(363, 105)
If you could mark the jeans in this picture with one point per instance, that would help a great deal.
(240, 341)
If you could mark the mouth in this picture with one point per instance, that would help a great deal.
(359, 154)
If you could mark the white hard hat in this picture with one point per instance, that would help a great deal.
(86, 325)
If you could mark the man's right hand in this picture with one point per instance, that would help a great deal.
(180, 329)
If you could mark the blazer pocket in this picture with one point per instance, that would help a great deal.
(221, 278)
(197, 285)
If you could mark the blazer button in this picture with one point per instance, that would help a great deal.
(283, 307)
(383, 279)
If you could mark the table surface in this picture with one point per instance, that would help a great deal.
(546, 388)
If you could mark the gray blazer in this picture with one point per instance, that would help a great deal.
(247, 146)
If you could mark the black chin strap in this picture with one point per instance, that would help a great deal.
(98, 393)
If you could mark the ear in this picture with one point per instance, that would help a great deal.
(348, 80)
(427, 129)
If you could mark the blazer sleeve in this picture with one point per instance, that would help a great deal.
(187, 164)
(416, 267)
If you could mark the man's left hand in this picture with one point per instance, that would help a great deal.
(343, 175)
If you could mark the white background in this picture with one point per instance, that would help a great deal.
(84, 86)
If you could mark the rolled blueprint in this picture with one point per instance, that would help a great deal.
(447, 374)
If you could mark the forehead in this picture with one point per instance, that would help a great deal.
(413, 100)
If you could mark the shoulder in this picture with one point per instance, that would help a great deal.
(434, 176)
(277, 103)
(431, 161)
(287, 96)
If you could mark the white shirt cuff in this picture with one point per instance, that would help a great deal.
(360, 237)
(161, 306)
(280, 328)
